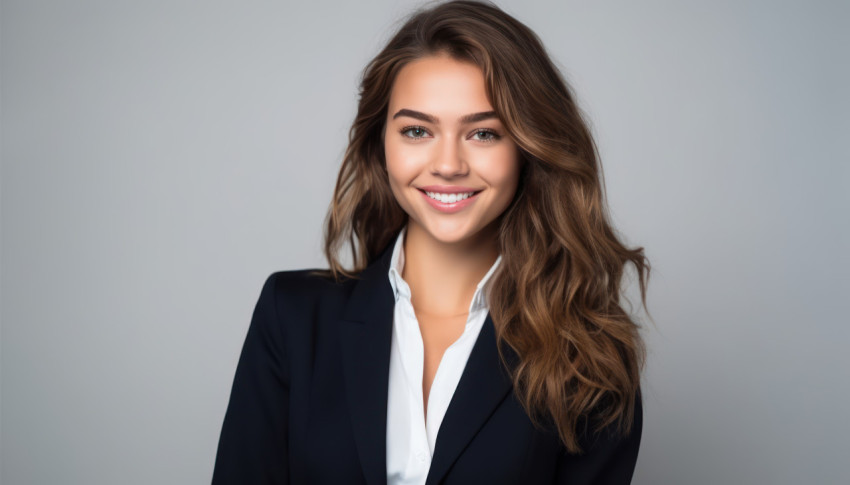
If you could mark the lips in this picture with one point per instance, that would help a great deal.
(450, 207)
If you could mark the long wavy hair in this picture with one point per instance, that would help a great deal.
(555, 299)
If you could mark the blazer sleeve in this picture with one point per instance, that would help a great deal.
(607, 458)
(253, 446)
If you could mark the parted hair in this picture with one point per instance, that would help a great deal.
(556, 298)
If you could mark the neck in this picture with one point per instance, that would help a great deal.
(443, 276)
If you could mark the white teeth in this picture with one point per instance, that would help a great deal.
(449, 198)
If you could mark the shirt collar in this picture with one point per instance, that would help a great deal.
(402, 290)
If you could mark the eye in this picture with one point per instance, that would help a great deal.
(487, 135)
(418, 132)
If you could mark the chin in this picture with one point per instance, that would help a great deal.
(450, 232)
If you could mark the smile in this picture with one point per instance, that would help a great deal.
(449, 198)
(449, 203)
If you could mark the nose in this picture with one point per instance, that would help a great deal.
(449, 160)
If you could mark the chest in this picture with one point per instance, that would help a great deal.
(505, 448)
(438, 334)
(339, 408)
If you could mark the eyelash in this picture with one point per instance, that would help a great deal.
(495, 136)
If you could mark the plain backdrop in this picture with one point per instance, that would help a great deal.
(161, 158)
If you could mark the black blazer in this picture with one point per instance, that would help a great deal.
(309, 400)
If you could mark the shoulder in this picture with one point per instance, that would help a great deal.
(304, 288)
(293, 307)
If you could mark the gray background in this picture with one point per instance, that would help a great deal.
(161, 158)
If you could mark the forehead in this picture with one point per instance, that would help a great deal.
(440, 85)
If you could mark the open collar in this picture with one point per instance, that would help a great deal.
(402, 290)
(365, 332)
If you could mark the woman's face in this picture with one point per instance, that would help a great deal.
(442, 137)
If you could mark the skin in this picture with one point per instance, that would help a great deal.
(446, 255)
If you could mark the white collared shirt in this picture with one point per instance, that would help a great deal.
(410, 438)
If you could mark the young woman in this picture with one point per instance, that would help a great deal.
(478, 337)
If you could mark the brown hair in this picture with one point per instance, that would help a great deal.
(555, 299)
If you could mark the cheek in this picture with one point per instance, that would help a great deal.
(398, 170)
(401, 163)
(392, 158)
(502, 170)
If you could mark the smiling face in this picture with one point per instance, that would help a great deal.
(444, 142)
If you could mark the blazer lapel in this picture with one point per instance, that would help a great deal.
(365, 338)
(483, 384)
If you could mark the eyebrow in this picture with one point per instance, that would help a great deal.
(470, 118)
